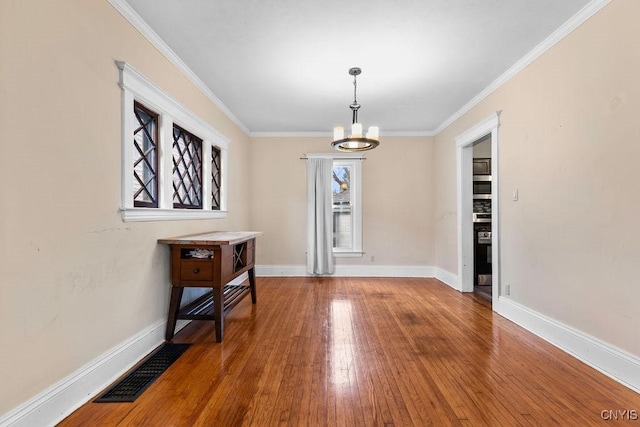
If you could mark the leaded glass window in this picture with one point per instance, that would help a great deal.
(170, 156)
(145, 158)
(216, 178)
(187, 169)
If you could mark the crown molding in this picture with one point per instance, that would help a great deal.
(291, 134)
(329, 134)
(139, 24)
(409, 133)
(574, 22)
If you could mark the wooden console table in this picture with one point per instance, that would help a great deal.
(210, 260)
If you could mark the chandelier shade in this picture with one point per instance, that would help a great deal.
(356, 141)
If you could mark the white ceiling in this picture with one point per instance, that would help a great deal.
(282, 65)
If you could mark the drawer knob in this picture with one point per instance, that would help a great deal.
(196, 270)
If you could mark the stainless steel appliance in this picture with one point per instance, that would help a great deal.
(482, 264)
(481, 217)
(481, 185)
(482, 166)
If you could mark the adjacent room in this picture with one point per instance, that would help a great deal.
(319, 213)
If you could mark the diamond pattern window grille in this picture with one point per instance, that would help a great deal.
(216, 179)
(145, 158)
(187, 169)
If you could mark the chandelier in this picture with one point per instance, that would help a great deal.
(356, 141)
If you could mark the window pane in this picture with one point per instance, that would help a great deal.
(342, 218)
(145, 158)
(216, 180)
(187, 169)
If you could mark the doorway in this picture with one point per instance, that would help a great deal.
(482, 212)
(488, 128)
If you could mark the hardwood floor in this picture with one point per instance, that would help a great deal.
(366, 352)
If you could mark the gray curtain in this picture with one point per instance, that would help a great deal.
(319, 210)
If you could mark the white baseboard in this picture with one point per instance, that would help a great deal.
(444, 276)
(60, 400)
(281, 270)
(610, 360)
(349, 271)
(447, 278)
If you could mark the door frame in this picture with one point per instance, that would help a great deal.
(464, 170)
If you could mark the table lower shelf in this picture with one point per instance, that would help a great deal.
(202, 307)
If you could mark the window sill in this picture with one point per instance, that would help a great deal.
(348, 254)
(155, 214)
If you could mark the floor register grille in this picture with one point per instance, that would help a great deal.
(141, 377)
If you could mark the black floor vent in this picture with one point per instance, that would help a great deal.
(135, 382)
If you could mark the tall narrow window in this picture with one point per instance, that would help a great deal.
(346, 193)
(187, 169)
(145, 158)
(216, 178)
(342, 217)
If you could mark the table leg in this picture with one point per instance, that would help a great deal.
(218, 311)
(174, 308)
(252, 284)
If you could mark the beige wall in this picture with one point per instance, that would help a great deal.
(76, 279)
(398, 201)
(570, 143)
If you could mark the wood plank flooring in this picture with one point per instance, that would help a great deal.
(367, 352)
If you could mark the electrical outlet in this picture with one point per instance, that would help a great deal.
(373, 258)
(507, 291)
(515, 195)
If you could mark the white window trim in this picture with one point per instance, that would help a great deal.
(136, 87)
(355, 161)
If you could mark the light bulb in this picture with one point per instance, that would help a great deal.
(356, 130)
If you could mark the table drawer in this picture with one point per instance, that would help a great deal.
(196, 270)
